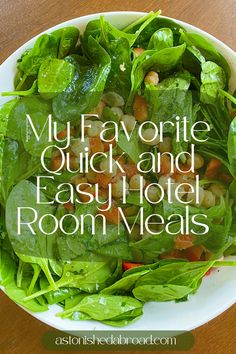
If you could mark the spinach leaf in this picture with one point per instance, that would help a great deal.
(90, 274)
(213, 243)
(206, 49)
(192, 60)
(153, 26)
(67, 38)
(103, 31)
(181, 273)
(216, 212)
(172, 98)
(18, 128)
(142, 268)
(7, 268)
(54, 76)
(119, 77)
(213, 79)
(85, 90)
(134, 147)
(125, 284)
(107, 307)
(166, 292)
(110, 30)
(232, 147)
(30, 92)
(162, 38)
(18, 294)
(151, 246)
(46, 46)
(4, 116)
(54, 297)
(17, 164)
(163, 60)
(7, 279)
(74, 300)
(30, 248)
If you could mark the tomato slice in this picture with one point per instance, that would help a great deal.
(213, 167)
(194, 253)
(129, 265)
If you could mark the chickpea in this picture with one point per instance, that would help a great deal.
(112, 99)
(87, 122)
(165, 145)
(55, 153)
(105, 167)
(135, 182)
(118, 112)
(192, 196)
(73, 162)
(140, 109)
(150, 137)
(138, 51)
(152, 78)
(79, 179)
(78, 147)
(181, 192)
(131, 210)
(153, 193)
(91, 177)
(218, 190)
(96, 128)
(209, 199)
(129, 122)
(163, 181)
(198, 161)
(117, 189)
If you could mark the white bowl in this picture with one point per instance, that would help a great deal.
(217, 292)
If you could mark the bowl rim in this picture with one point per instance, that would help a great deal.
(86, 19)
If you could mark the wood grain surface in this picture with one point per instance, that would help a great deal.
(20, 20)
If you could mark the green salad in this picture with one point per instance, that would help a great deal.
(71, 87)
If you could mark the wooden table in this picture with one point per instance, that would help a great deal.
(22, 19)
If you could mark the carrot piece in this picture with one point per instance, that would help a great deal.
(183, 242)
(140, 108)
(73, 162)
(56, 163)
(184, 175)
(212, 169)
(106, 145)
(129, 265)
(130, 170)
(69, 206)
(112, 215)
(86, 198)
(63, 134)
(96, 145)
(165, 165)
(103, 193)
(103, 180)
